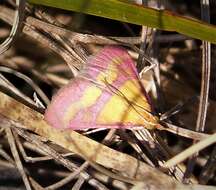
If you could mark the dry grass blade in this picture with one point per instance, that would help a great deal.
(75, 37)
(16, 158)
(182, 132)
(209, 168)
(6, 156)
(23, 116)
(205, 82)
(206, 68)
(78, 184)
(139, 158)
(28, 80)
(7, 15)
(190, 151)
(68, 178)
(16, 26)
(7, 86)
(55, 155)
(34, 148)
(35, 185)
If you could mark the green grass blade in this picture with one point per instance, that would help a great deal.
(131, 13)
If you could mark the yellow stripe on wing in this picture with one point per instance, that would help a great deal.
(134, 109)
(89, 98)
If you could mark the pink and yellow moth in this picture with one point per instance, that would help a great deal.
(106, 94)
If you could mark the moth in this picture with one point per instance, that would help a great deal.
(107, 93)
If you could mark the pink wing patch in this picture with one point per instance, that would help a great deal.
(107, 94)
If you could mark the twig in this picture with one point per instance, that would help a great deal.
(16, 158)
(77, 143)
(190, 151)
(75, 37)
(16, 26)
(205, 82)
(35, 185)
(7, 15)
(68, 178)
(28, 80)
(206, 68)
(6, 156)
(7, 87)
(78, 183)
(55, 155)
(80, 169)
(33, 148)
(181, 131)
